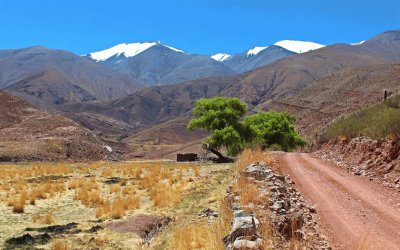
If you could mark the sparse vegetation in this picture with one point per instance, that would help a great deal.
(45, 193)
(375, 122)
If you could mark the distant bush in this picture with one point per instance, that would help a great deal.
(376, 122)
(274, 130)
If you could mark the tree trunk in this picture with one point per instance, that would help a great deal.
(214, 151)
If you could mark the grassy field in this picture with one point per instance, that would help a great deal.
(374, 122)
(97, 204)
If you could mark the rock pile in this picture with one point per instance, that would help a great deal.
(290, 216)
(379, 160)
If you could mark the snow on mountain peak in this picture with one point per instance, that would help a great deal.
(174, 49)
(220, 57)
(355, 44)
(298, 46)
(254, 51)
(127, 49)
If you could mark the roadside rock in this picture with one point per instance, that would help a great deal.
(247, 244)
(379, 160)
(288, 213)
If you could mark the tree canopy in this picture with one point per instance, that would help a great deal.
(274, 128)
(222, 117)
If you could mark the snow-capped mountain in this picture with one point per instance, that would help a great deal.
(153, 63)
(220, 57)
(126, 49)
(298, 46)
(254, 51)
(262, 55)
(256, 57)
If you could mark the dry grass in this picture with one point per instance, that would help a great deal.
(115, 189)
(202, 235)
(107, 172)
(248, 192)
(78, 193)
(193, 237)
(59, 245)
(19, 206)
(249, 156)
(43, 219)
(164, 195)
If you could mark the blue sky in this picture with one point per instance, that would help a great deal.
(197, 26)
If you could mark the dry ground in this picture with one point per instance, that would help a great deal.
(98, 195)
(356, 213)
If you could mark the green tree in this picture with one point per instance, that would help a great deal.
(274, 128)
(222, 118)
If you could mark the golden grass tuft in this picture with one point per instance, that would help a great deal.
(115, 189)
(59, 245)
(43, 219)
(19, 206)
(129, 190)
(249, 194)
(107, 172)
(117, 209)
(164, 195)
(192, 237)
(104, 210)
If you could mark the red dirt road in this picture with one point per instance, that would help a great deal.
(354, 212)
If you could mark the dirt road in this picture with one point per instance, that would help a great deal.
(355, 213)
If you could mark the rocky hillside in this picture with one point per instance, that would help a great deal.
(337, 95)
(379, 160)
(27, 133)
(51, 77)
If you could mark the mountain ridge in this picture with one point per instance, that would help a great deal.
(280, 79)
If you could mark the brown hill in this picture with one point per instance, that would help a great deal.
(144, 109)
(51, 77)
(278, 80)
(337, 95)
(27, 133)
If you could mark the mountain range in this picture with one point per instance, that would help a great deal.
(275, 81)
(143, 93)
(153, 63)
(52, 77)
